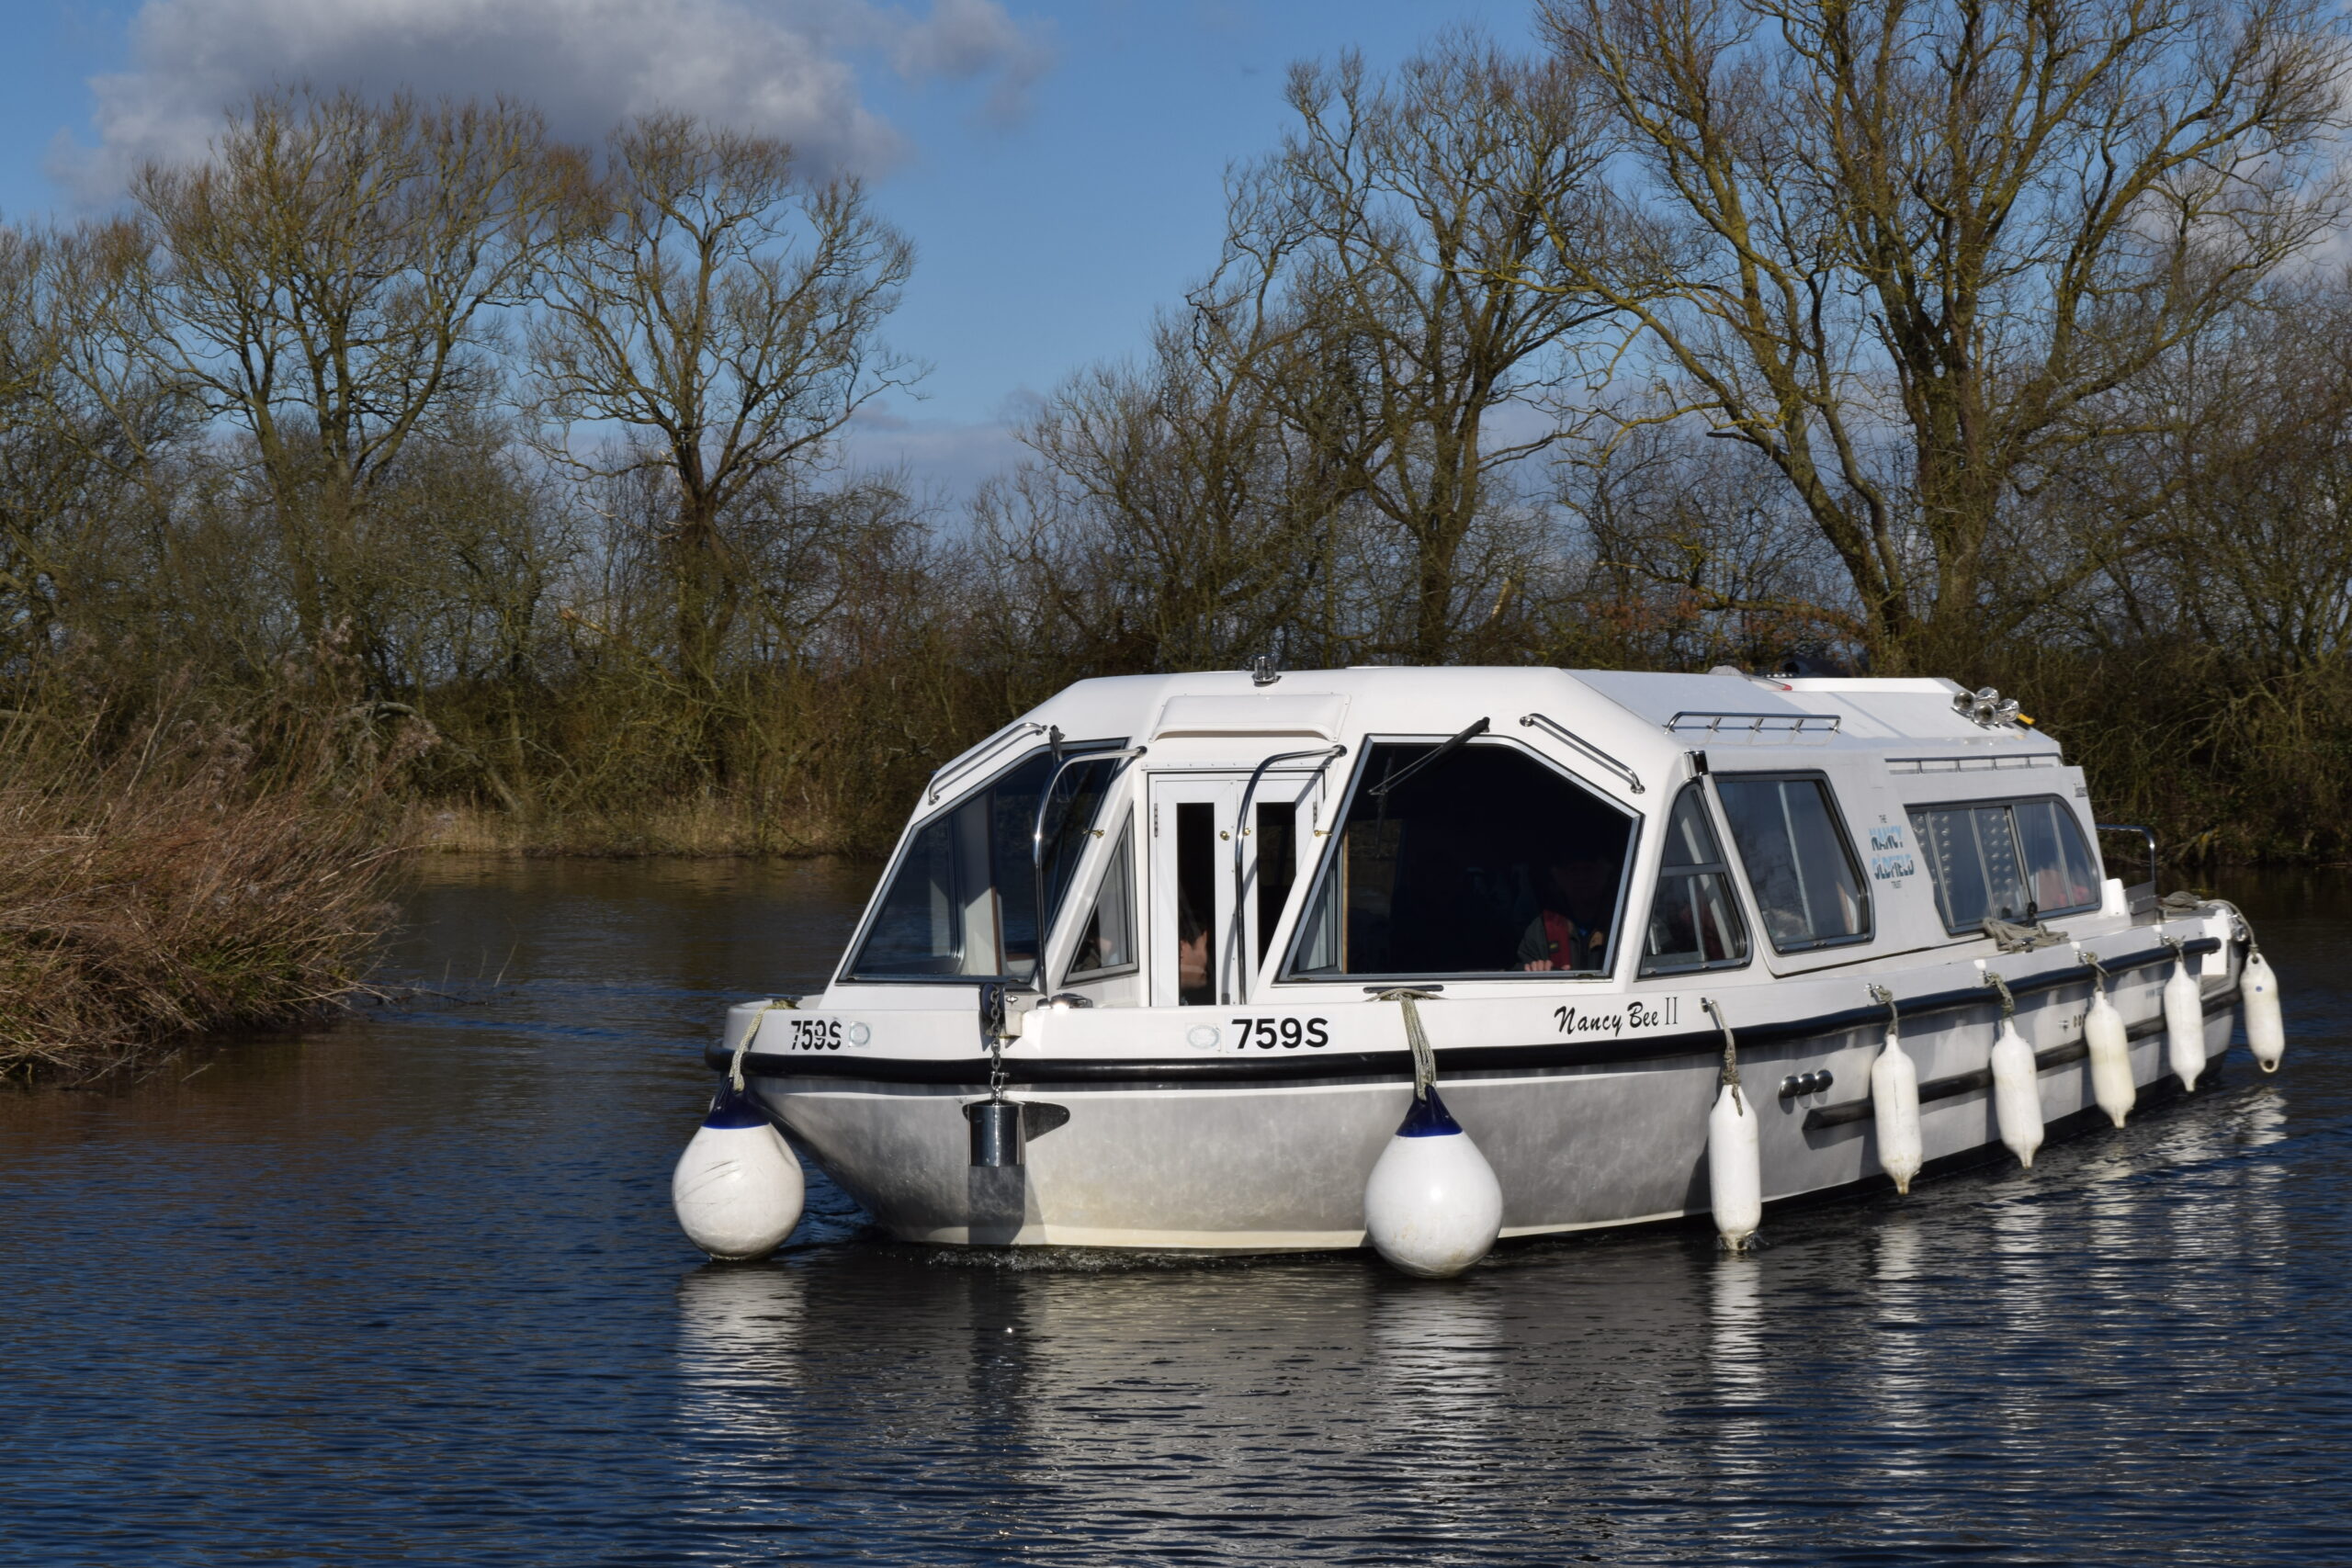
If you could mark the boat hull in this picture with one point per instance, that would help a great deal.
(1259, 1167)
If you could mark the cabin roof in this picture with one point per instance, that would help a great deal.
(1646, 718)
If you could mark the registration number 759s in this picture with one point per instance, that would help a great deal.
(1280, 1033)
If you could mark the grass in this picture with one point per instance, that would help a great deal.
(168, 894)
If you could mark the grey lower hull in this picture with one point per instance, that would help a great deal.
(1267, 1166)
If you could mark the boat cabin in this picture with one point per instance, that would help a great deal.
(1220, 839)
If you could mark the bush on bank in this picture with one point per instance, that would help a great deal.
(172, 891)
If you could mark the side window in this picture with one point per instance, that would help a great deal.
(1485, 861)
(1107, 945)
(1694, 917)
(1808, 889)
(2005, 860)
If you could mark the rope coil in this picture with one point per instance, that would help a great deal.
(1424, 1058)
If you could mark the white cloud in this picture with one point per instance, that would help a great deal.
(777, 67)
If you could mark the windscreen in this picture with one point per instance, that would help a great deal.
(962, 900)
(1485, 861)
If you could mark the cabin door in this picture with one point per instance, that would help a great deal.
(1214, 913)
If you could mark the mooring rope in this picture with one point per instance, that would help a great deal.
(2008, 1002)
(2190, 904)
(1731, 1051)
(1424, 1058)
(1894, 1014)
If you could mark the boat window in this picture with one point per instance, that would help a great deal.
(962, 901)
(1277, 836)
(1487, 861)
(1195, 903)
(2009, 860)
(1694, 915)
(1107, 945)
(1809, 891)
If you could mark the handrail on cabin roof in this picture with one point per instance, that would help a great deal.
(965, 762)
(1756, 723)
(1559, 731)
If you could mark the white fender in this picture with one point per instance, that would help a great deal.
(1432, 1206)
(2266, 1031)
(1894, 1100)
(2110, 1052)
(2017, 1093)
(1735, 1167)
(738, 1188)
(2184, 1023)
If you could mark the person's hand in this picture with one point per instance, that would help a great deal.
(1538, 966)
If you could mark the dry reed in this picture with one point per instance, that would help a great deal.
(170, 893)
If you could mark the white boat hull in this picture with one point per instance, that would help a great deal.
(1281, 1166)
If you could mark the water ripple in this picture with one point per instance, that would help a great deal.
(411, 1292)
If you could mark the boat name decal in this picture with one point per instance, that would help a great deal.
(1889, 857)
(1286, 1033)
(1634, 1015)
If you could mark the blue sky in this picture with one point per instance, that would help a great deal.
(1057, 162)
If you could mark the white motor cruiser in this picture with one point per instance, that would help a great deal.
(1181, 962)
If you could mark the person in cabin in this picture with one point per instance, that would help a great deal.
(1192, 988)
(1572, 930)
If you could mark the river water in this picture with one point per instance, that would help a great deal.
(409, 1291)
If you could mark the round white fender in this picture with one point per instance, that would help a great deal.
(2266, 1031)
(2184, 1023)
(2110, 1052)
(2017, 1093)
(1894, 1101)
(1735, 1167)
(738, 1188)
(1432, 1206)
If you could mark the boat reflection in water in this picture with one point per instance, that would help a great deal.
(1159, 1405)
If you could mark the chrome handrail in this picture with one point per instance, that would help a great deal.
(1712, 722)
(2147, 833)
(970, 758)
(1241, 830)
(1562, 732)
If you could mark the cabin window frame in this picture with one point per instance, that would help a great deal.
(1122, 838)
(2088, 843)
(1307, 890)
(845, 973)
(1869, 933)
(1733, 875)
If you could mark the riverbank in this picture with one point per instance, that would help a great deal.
(167, 896)
(696, 827)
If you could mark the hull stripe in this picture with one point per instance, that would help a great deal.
(1488, 1061)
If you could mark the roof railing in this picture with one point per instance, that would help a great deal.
(956, 767)
(1756, 723)
(1561, 732)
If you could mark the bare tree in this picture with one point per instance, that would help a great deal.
(1906, 248)
(1393, 288)
(725, 313)
(1171, 518)
(329, 279)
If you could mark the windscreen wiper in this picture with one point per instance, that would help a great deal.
(1445, 749)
